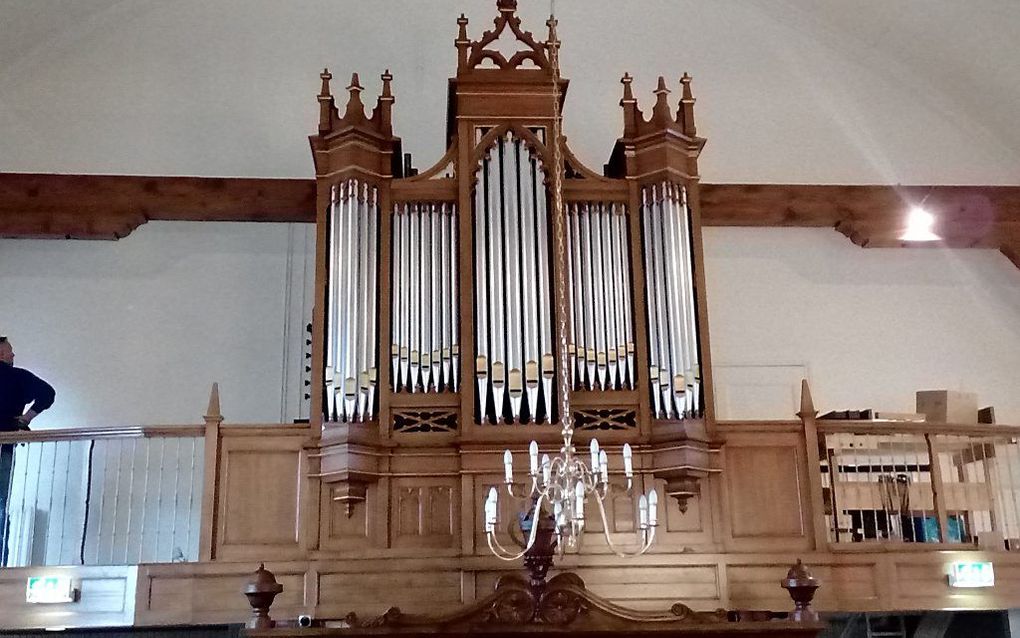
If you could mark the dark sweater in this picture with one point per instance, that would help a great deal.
(18, 388)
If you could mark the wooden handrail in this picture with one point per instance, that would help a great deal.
(916, 427)
(89, 434)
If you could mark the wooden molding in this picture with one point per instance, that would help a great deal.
(35, 205)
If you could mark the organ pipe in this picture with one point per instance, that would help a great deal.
(351, 374)
(602, 341)
(514, 362)
(674, 363)
(424, 351)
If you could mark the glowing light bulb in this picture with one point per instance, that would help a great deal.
(919, 226)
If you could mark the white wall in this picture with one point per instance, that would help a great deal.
(136, 331)
(867, 326)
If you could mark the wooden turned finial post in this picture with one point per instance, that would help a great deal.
(629, 104)
(212, 412)
(801, 586)
(326, 103)
(685, 115)
(261, 590)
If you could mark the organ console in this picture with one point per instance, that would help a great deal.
(456, 274)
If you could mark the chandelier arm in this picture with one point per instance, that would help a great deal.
(609, 541)
(507, 554)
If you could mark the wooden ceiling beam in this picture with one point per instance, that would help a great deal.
(111, 206)
(34, 205)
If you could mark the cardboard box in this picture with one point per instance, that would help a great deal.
(948, 406)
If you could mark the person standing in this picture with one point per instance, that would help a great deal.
(19, 389)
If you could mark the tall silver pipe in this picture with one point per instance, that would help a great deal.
(497, 290)
(453, 256)
(651, 248)
(483, 281)
(396, 312)
(694, 375)
(509, 178)
(575, 305)
(545, 315)
(612, 294)
(529, 301)
(373, 292)
(626, 351)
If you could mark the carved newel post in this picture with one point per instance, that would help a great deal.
(801, 586)
(261, 591)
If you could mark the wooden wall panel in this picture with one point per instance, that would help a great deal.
(342, 533)
(210, 592)
(425, 512)
(765, 492)
(261, 483)
(372, 592)
(107, 598)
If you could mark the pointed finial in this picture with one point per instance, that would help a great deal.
(326, 76)
(660, 112)
(628, 93)
(551, 23)
(212, 412)
(685, 81)
(685, 115)
(386, 79)
(462, 42)
(355, 84)
(506, 5)
(807, 405)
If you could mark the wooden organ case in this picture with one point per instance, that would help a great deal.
(435, 336)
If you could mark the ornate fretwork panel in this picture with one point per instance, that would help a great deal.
(425, 352)
(515, 364)
(673, 351)
(351, 372)
(602, 346)
(412, 421)
(605, 419)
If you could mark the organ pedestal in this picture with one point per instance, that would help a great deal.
(435, 322)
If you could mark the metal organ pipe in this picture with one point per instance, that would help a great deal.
(514, 361)
(674, 367)
(602, 333)
(424, 298)
(351, 373)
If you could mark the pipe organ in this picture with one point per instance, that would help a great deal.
(454, 274)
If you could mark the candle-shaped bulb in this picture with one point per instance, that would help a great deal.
(533, 457)
(508, 466)
(594, 447)
(490, 510)
(604, 466)
(558, 514)
(579, 500)
(653, 508)
(643, 512)
(628, 460)
(546, 469)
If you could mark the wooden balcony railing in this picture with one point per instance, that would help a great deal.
(101, 496)
(920, 483)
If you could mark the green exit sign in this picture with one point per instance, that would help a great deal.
(50, 589)
(971, 574)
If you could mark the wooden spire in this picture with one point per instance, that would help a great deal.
(685, 114)
(355, 111)
(660, 112)
(212, 412)
(807, 405)
(327, 106)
